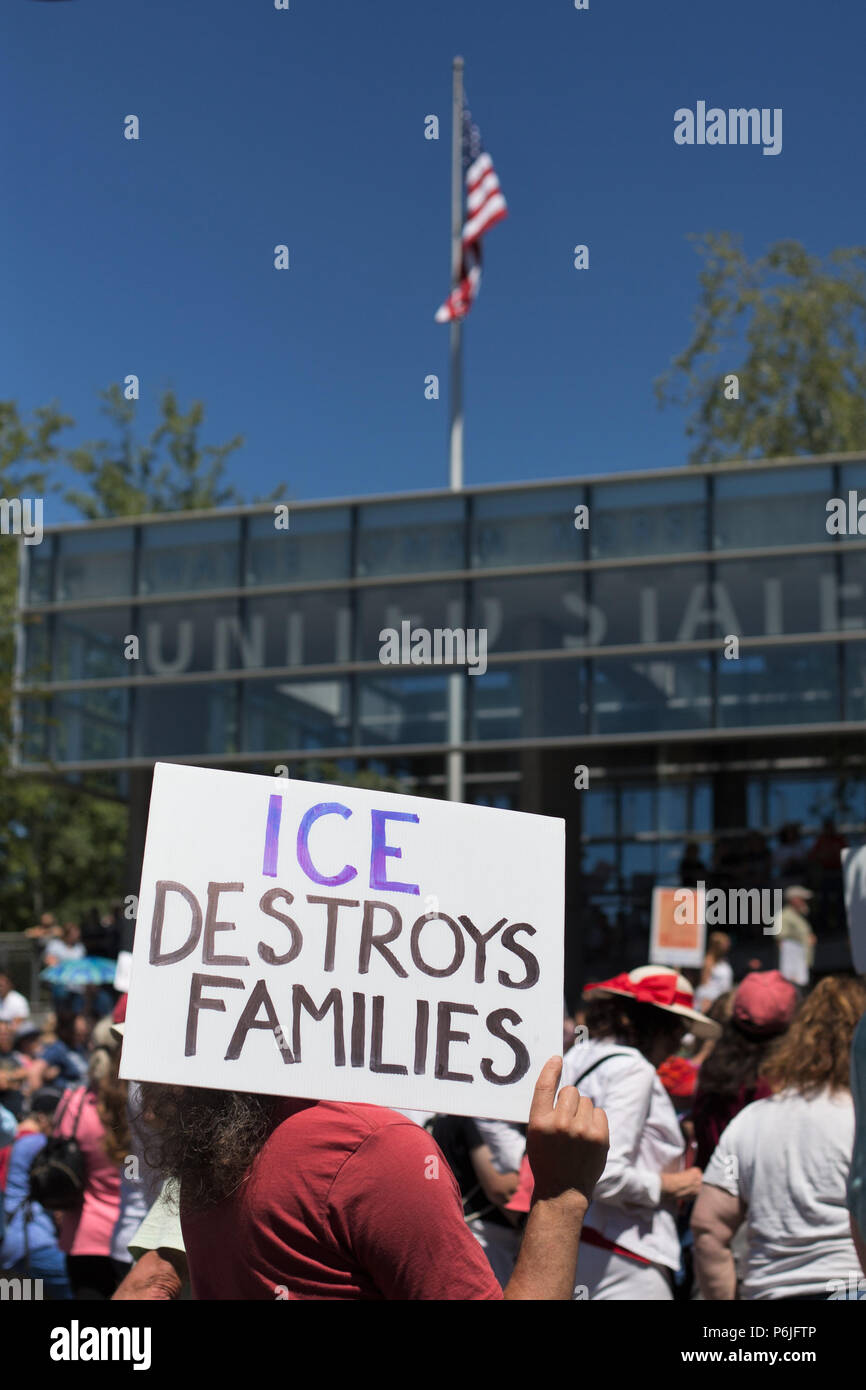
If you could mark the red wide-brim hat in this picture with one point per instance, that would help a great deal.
(663, 988)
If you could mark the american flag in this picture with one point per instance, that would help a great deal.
(485, 206)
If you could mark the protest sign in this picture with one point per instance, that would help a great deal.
(336, 943)
(854, 876)
(678, 927)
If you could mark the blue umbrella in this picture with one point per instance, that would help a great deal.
(78, 974)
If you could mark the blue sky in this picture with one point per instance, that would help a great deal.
(306, 127)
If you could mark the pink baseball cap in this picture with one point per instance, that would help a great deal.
(765, 1003)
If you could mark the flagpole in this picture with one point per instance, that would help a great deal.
(456, 428)
(455, 761)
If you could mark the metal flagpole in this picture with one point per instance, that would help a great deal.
(456, 431)
(456, 680)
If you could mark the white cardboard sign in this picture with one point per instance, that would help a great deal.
(302, 939)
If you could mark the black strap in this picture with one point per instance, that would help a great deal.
(62, 1107)
(598, 1064)
(78, 1116)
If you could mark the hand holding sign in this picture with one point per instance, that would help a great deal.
(567, 1139)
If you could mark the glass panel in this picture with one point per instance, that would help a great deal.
(427, 606)
(526, 528)
(294, 715)
(535, 613)
(658, 604)
(851, 800)
(761, 508)
(402, 709)
(673, 808)
(853, 479)
(185, 556)
(503, 795)
(92, 724)
(667, 693)
(302, 629)
(411, 537)
(600, 868)
(94, 563)
(845, 606)
(806, 800)
(702, 807)
(663, 516)
(535, 699)
(599, 812)
(638, 867)
(788, 594)
(669, 855)
(755, 815)
(785, 685)
(637, 809)
(179, 637)
(186, 720)
(854, 656)
(39, 570)
(37, 655)
(36, 725)
(90, 645)
(317, 545)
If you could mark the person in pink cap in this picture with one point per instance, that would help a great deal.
(730, 1078)
(631, 1247)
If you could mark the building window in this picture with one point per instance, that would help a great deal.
(536, 527)
(760, 508)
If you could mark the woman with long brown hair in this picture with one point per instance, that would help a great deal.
(731, 1076)
(781, 1166)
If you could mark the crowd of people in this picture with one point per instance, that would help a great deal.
(700, 1138)
(749, 859)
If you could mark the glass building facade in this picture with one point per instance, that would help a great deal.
(695, 638)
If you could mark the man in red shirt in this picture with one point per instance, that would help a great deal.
(344, 1201)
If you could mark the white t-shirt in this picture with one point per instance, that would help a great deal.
(13, 1006)
(788, 1157)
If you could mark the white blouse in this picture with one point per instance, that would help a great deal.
(645, 1141)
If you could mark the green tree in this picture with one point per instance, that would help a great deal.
(171, 472)
(791, 328)
(62, 840)
(62, 848)
(29, 450)
(59, 846)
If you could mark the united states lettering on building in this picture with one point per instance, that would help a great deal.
(703, 612)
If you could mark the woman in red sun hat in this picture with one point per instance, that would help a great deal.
(630, 1248)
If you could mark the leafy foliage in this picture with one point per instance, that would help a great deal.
(792, 328)
(63, 839)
